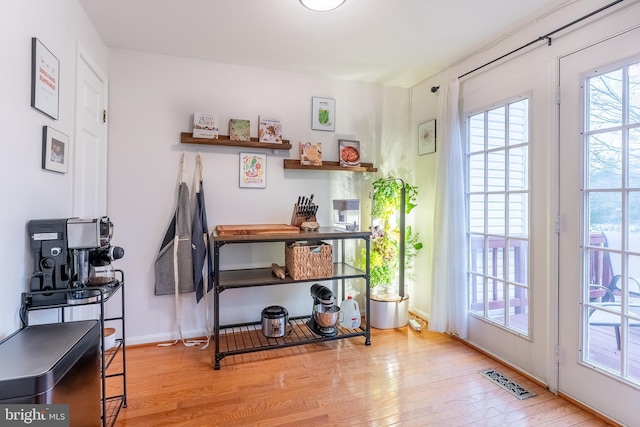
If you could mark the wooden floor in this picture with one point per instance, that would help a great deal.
(405, 378)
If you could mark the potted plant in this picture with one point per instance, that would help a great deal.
(393, 250)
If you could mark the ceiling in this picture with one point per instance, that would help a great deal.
(390, 42)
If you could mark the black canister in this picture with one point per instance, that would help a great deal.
(274, 321)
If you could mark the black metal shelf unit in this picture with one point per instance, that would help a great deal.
(111, 405)
(247, 337)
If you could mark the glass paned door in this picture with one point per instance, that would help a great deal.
(599, 229)
(611, 291)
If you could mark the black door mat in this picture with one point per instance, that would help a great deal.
(511, 386)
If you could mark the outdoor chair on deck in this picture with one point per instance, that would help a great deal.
(600, 269)
(605, 292)
(608, 314)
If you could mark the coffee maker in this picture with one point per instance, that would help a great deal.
(325, 312)
(70, 254)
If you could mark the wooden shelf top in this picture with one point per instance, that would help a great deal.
(331, 166)
(224, 141)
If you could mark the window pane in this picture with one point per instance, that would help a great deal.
(633, 284)
(476, 293)
(634, 94)
(605, 100)
(476, 213)
(476, 260)
(518, 122)
(495, 257)
(633, 238)
(634, 158)
(496, 301)
(605, 214)
(599, 275)
(518, 261)
(495, 171)
(476, 133)
(496, 128)
(627, 286)
(476, 173)
(605, 160)
(518, 176)
(602, 348)
(518, 213)
(496, 214)
(518, 313)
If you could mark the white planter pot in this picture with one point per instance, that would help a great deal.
(388, 312)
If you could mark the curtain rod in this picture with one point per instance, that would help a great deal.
(545, 37)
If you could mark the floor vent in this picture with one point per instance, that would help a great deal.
(512, 387)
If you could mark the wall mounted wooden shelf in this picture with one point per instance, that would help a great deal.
(330, 166)
(224, 141)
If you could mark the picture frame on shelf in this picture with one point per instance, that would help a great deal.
(45, 79)
(427, 137)
(55, 150)
(349, 152)
(253, 170)
(323, 114)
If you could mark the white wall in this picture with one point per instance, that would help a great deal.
(536, 66)
(152, 99)
(27, 191)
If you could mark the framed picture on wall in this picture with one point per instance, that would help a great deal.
(323, 114)
(55, 150)
(45, 79)
(427, 137)
(253, 170)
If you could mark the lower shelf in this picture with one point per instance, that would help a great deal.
(247, 338)
(113, 406)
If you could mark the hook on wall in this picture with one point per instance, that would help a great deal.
(434, 89)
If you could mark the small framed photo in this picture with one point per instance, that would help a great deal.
(427, 137)
(349, 152)
(253, 170)
(323, 114)
(45, 79)
(55, 150)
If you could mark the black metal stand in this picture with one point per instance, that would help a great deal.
(247, 337)
(37, 300)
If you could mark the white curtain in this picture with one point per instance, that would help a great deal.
(449, 292)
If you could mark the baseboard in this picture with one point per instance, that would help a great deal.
(589, 410)
(164, 338)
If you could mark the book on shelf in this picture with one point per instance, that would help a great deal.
(269, 130)
(239, 130)
(311, 153)
(205, 125)
(349, 154)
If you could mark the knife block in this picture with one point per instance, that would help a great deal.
(297, 220)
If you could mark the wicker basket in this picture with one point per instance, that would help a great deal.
(308, 261)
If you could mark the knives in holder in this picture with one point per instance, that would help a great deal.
(304, 211)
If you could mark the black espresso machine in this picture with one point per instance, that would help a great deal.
(72, 254)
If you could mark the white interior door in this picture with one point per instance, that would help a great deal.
(599, 226)
(89, 198)
(90, 153)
